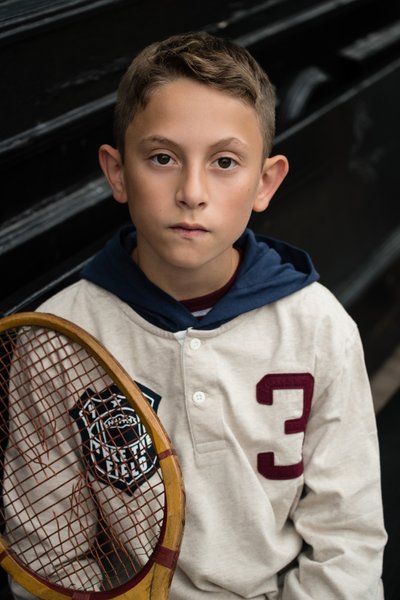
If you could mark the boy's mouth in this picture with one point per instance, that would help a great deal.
(188, 229)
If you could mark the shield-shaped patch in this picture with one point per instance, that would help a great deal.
(115, 444)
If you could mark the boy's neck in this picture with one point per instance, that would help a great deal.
(184, 284)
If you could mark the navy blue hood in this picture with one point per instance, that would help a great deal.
(269, 270)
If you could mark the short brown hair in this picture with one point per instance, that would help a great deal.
(214, 61)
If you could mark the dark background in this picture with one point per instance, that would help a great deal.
(336, 68)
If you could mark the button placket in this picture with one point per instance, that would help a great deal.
(203, 395)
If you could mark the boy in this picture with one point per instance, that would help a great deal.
(260, 371)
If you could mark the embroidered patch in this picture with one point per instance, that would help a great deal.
(116, 447)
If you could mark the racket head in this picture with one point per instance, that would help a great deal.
(104, 456)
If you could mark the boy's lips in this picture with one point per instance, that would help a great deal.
(189, 229)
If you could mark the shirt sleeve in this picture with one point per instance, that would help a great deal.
(18, 592)
(64, 521)
(32, 503)
(340, 516)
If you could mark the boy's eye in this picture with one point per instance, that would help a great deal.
(225, 162)
(161, 159)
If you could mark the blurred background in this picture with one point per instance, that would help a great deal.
(336, 68)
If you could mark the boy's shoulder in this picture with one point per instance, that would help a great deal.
(78, 301)
(318, 301)
(315, 311)
(67, 295)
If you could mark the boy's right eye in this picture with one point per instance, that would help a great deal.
(161, 159)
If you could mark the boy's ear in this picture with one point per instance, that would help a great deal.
(112, 167)
(273, 173)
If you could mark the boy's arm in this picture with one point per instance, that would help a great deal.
(340, 516)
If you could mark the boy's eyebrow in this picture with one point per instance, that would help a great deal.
(230, 141)
(159, 139)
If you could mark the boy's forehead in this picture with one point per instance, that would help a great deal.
(185, 106)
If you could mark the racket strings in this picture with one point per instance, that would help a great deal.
(69, 514)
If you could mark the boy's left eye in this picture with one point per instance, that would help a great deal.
(226, 162)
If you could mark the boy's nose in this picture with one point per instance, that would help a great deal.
(192, 188)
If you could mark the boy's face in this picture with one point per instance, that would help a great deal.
(192, 174)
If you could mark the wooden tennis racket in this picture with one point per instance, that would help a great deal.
(93, 500)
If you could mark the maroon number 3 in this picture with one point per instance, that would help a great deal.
(265, 388)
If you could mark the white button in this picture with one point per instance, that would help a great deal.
(195, 343)
(198, 397)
